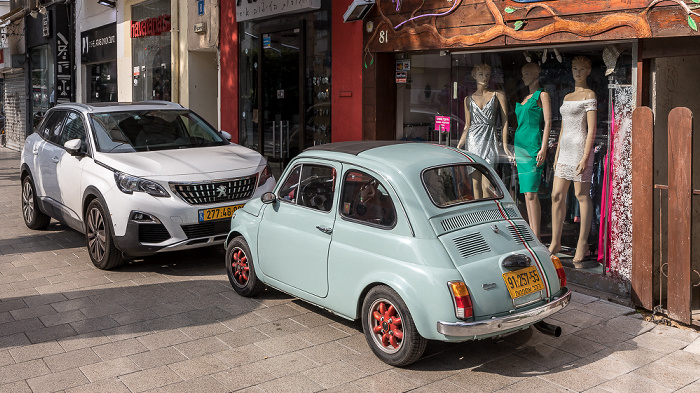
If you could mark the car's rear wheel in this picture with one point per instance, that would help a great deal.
(34, 218)
(98, 233)
(389, 328)
(240, 269)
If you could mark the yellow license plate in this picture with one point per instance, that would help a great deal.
(218, 213)
(523, 282)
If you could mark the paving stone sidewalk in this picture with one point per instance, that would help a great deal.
(172, 323)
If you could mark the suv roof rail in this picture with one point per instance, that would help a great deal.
(159, 102)
(80, 104)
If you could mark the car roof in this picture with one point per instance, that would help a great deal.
(102, 107)
(401, 156)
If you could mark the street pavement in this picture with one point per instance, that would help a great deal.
(172, 323)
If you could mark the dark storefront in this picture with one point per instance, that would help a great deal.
(99, 59)
(50, 54)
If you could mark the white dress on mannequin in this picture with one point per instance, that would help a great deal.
(574, 131)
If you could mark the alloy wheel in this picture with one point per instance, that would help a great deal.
(96, 234)
(385, 322)
(239, 266)
(28, 202)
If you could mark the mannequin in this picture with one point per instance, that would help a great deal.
(530, 142)
(574, 158)
(479, 137)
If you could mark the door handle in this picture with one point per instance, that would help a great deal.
(324, 229)
(55, 160)
(35, 151)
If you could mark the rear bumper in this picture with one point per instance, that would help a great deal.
(494, 326)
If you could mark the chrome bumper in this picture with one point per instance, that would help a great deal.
(496, 325)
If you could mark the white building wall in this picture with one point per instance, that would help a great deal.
(88, 15)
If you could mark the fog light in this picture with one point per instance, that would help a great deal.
(143, 218)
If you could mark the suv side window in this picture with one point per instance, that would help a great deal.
(365, 199)
(53, 126)
(309, 185)
(74, 128)
(49, 123)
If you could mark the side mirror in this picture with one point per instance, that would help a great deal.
(73, 147)
(268, 198)
(226, 135)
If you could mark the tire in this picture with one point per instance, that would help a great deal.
(34, 218)
(240, 269)
(98, 234)
(397, 344)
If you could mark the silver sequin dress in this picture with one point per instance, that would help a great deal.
(481, 135)
(574, 131)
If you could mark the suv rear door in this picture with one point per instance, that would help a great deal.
(45, 168)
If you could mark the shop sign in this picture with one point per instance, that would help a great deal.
(254, 9)
(403, 65)
(150, 26)
(267, 42)
(442, 123)
(200, 7)
(99, 44)
(63, 69)
(401, 76)
(45, 31)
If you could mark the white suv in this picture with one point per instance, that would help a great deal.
(136, 179)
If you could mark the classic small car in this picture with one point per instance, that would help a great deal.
(419, 241)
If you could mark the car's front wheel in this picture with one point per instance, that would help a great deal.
(98, 233)
(240, 270)
(34, 218)
(389, 328)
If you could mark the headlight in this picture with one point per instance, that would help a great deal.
(129, 184)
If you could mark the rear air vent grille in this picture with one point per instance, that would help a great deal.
(470, 245)
(465, 220)
(520, 233)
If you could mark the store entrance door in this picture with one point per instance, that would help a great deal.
(282, 95)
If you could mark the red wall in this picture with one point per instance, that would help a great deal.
(229, 68)
(346, 76)
(346, 73)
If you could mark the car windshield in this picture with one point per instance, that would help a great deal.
(460, 183)
(124, 132)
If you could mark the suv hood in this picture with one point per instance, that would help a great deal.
(205, 162)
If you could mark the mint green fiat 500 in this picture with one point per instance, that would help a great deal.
(418, 241)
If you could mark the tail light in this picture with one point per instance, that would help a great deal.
(560, 270)
(264, 175)
(462, 300)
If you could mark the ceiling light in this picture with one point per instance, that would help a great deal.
(42, 10)
(107, 3)
(358, 10)
(33, 14)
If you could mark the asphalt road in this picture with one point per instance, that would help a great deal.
(172, 323)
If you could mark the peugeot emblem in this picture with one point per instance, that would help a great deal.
(222, 191)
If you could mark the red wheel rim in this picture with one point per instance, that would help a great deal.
(239, 266)
(386, 325)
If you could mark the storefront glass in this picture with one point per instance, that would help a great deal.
(102, 82)
(43, 94)
(442, 84)
(285, 82)
(150, 44)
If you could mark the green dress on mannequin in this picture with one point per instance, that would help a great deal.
(528, 141)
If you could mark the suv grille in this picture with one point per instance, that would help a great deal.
(216, 192)
(207, 229)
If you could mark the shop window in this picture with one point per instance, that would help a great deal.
(43, 76)
(443, 84)
(102, 82)
(151, 48)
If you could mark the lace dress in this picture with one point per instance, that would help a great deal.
(572, 142)
(481, 136)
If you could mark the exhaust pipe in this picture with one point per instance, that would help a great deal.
(548, 328)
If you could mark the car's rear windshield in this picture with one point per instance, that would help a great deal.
(130, 131)
(460, 183)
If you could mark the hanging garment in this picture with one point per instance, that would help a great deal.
(528, 142)
(481, 135)
(574, 131)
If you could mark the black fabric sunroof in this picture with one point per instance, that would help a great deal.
(354, 147)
